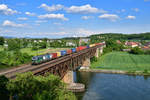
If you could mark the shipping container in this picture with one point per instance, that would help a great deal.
(58, 54)
(92, 45)
(96, 44)
(63, 52)
(81, 48)
(77, 49)
(44, 57)
(54, 55)
(88, 46)
(47, 57)
(73, 50)
(84, 47)
(50, 56)
(69, 51)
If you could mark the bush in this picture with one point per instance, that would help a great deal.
(14, 44)
(131, 71)
(112, 45)
(13, 58)
(1, 40)
(136, 50)
(147, 52)
(145, 71)
(4, 93)
(93, 59)
(29, 87)
(34, 48)
(42, 45)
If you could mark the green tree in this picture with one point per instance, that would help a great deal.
(136, 50)
(112, 45)
(4, 93)
(29, 87)
(42, 44)
(35, 46)
(25, 43)
(1, 40)
(13, 58)
(14, 44)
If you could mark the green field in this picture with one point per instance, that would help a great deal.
(31, 52)
(38, 52)
(1, 48)
(122, 61)
(41, 51)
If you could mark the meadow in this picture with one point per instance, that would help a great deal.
(1, 48)
(10, 61)
(41, 51)
(122, 61)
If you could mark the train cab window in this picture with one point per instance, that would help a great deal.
(34, 58)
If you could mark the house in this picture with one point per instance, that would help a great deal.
(70, 44)
(5, 45)
(147, 44)
(118, 42)
(132, 44)
(145, 48)
(126, 50)
(85, 40)
(35, 41)
(40, 41)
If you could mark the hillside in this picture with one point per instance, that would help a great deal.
(120, 36)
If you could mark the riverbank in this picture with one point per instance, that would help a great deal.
(115, 71)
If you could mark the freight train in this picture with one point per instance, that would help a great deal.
(50, 56)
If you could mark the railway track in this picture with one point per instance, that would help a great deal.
(37, 68)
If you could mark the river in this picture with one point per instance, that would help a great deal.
(101, 86)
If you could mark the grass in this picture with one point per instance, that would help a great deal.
(41, 51)
(1, 48)
(38, 52)
(34, 53)
(122, 61)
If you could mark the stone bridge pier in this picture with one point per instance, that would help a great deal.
(74, 87)
(87, 62)
(68, 78)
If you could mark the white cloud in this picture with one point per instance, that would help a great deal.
(53, 16)
(111, 17)
(85, 32)
(30, 14)
(79, 32)
(85, 9)
(51, 8)
(59, 33)
(40, 21)
(86, 17)
(57, 23)
(136, 9)
(130, 17)
(6, 11)
(12, 24)
(22, 18)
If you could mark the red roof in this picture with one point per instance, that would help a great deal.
(131, 43)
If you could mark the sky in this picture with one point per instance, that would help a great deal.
(72, 18)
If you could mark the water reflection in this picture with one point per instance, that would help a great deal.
(113, 86)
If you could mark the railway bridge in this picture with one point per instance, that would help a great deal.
(62, 66)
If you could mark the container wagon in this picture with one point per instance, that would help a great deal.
(63, 52)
